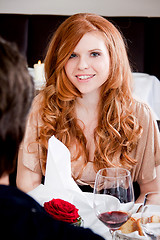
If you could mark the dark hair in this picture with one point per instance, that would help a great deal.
(16, 95)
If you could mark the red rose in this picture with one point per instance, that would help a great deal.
(62, 210)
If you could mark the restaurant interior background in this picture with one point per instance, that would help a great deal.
(31, 23)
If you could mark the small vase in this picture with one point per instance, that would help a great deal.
(79, 223)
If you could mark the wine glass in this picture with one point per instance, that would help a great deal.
(113, 197)
(150, 217)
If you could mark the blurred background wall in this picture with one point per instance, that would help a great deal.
(149, 8)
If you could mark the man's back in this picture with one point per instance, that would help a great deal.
(23, 218)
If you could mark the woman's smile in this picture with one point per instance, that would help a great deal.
(85, 78)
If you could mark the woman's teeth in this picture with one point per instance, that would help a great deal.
(84, 77)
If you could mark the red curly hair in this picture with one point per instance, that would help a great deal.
(118, 129)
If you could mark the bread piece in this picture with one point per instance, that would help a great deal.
(154, 219)
(129, 226)
(139, 228)
(134, 224)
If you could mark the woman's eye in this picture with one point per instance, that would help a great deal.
(95, 54)
(73, 55)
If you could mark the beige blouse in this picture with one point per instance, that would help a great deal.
(147, 152)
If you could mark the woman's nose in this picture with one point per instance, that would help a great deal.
(83, 63)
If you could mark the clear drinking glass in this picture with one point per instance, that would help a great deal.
(150, 218)
(113, 197)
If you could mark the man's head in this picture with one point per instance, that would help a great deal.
(16, 95)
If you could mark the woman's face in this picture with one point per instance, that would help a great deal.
(88, 65)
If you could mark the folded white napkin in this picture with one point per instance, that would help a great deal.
(58, 170)
(58, 180)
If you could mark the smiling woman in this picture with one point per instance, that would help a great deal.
(88, 66)
(88, 105)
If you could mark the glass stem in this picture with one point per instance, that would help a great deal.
(112, 234)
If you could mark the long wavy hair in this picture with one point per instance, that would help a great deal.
(118, 129)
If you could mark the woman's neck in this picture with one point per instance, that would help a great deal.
(89, 101)
(87, 111)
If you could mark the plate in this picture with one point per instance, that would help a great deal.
(131, 236)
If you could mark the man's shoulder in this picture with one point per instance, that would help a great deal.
(13, 197)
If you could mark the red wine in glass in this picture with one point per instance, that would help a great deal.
(113, 197)
(113, 219)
